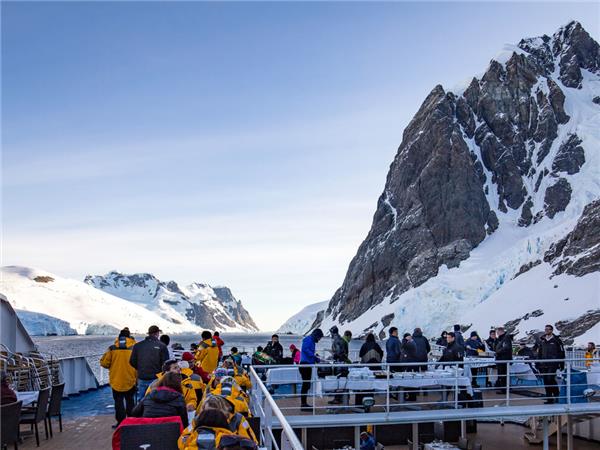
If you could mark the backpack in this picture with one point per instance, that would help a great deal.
(202, 438)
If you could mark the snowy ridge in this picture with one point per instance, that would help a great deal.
(84, 308)
(198, 304)
(301, 322)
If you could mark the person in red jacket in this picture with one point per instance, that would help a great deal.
(220, 344)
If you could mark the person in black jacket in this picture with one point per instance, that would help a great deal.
(274, 349)
(165, 401)
(550, 347)
(458, 337)
(472, 347)
(409, 355)
(393, 349)
(453, 351)
(370, 352)
(148, 357)
(443, 339)
(492, 340)
(503, 351)
(423, 348)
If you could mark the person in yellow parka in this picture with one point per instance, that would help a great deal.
(590, 354)
(208, 353)
(238, 424)
(121, 375)
(186, 364)
(239, 374)
(223, 384)
(189, 393)
(206, 432)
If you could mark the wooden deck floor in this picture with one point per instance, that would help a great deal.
(95, 433)
(90, 433)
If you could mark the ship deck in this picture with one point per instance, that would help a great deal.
(95, 433)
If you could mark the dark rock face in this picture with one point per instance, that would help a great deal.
(465, 159)
(578, 253)
(570, 329)
(570, 156)
(527, 267)
(557, 197)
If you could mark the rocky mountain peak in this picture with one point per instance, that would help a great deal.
(503, 152)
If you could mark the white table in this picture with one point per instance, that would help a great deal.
(522, 371)
(27, 397)
(593, 375)
(283, 375)
(440, 446)
(476, 363)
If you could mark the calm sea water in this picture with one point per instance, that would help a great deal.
(92, 347)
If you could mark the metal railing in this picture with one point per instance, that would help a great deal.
(431, 391)
(267, 409)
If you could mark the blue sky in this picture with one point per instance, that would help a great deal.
(242, 144)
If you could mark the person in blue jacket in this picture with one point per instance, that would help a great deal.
(367, 441)
(308, 355)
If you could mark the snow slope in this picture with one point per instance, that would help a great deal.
(85, 308)
(199, 304)
(300, 322)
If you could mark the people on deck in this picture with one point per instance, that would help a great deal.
(458, 336)
(295, 354)
(209, 429)
(590, 354)
(207, 355)
(525, 351)
(423, 348)
(220, 343)
(6, 392)
(442, 340)
(339, 352)
(238, 424)
(148, 357)
(122, 376)
(409, 352)
(235, 355)
(370, 352)
(550, 346)
(491, 340)
(503, 349)
(308, 356)
(274, 349)
(393, 349)
(187, 388)
(453, 351)
(473, 346)
(164, 401)
(166, 339)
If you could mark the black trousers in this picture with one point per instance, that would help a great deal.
(306, 374)
(502, 374)
(124, 403)
(550, 385)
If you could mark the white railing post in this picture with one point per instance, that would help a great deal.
(508, 367)
(568, 383)
(387, 391)
(269, 424)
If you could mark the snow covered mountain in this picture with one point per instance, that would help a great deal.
(488, 215)
(302, 321)
(198, 304)
(47, 303)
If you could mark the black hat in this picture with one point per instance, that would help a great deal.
(124, 332)
(474, 333)
(334, 330)
(154, 329)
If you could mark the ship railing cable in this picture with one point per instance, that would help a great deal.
(472, 383)
(266, 408)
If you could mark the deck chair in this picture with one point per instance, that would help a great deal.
(38, 414)
(54, 406)
(157, 433)
(9, 419)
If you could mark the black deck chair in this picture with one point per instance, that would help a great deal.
(162, 436)
(54, 406)
(9, 419)
(39, 414)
